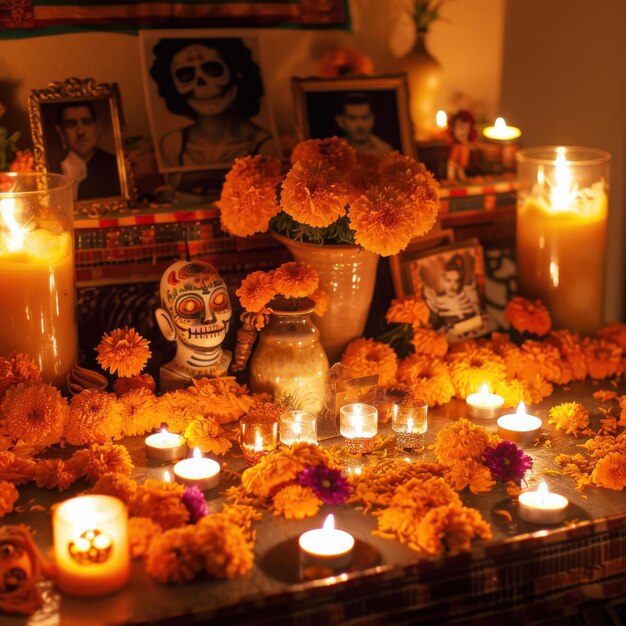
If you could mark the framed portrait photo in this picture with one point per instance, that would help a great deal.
(372, 113)
(451, 280)
(205, 98)
(76, 131)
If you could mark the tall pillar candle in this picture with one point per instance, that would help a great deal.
(561, 232)
(37, 272)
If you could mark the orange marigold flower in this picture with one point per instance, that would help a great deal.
(571, 417)
(141, 532)
(603, 357)
(173, 556)
(381, 221)
(115, 484)
(295, 279)
(123, 351)
(459, 441)
(160, 501)
(610, 472)
(296, 502)
(527, 316)
(256, 290)
(427, 341)
(546, 358)
(178, 408)
(314, 194)
(100, 459)
(208, 435)
(141, 381)
(17, 368)
(36, 413)
(24, 161)
(615, 332)
(8, 497)
(224, 547)
(367, 356)
(139, 412)
(472, 474)
(516, 390)
(412, 310)
(428, 378)
(16, 469)
(574, 363)
(95, 417)
(54, 474)
(622, 405)
(320, 300)
(223, 398)
(345, 62)
(334, 151)
(474, 367)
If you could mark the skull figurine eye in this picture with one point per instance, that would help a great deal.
(213, 68)
(189, 306)
(219, 302)
(185, 74)
(7, 550)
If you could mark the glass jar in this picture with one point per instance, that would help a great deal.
(37, 278)
(289, 361)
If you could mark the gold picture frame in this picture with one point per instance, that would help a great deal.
(371, 112)
(77, 117)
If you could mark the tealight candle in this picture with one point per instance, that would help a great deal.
(484, 405)
(542, 506)
(198, 471)
(165, 446)
(259, 436)
(297, 426)
(358, 423)
(91, 545)
(326, 547)
(410, 423)
(519, 427)
(500, 131)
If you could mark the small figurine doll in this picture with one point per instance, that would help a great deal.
(461, 127)
(196, 313)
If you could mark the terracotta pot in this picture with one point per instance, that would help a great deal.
(348, 275)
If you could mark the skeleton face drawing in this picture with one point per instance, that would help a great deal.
(201, 76)
(196, 298)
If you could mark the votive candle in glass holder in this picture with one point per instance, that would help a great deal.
(37, 278)
(297, 425)
(358, 423)
(562, 210)
(259, 436)
(91, 545)
(410, 423)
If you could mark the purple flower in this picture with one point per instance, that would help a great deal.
(329, 485)
(194, 500)
(506, 461)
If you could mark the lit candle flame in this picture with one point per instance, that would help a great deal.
(500, 124)
(258, 444)
(167, 477)
(409, 425)
(521, 409)
(563, 193)
(197, 454)
(441, 119)
(329, 522)
(15, 238)
(484, 390)
(542, 490)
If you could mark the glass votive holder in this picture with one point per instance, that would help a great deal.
(358, 424)
(297, 426)
(410, 422)
(259, 436)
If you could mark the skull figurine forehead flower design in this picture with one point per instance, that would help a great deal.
(196, 298)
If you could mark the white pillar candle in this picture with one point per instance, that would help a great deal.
(326, 547)
(519, 427)
(542, 506)
(484, 405)
(91, 545)
(198, 471)
(165, 446)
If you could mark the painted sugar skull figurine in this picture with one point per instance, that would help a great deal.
(195, 313)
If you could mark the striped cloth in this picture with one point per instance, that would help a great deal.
(38, 17)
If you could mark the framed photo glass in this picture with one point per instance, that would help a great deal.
(372, 113)
(205, 98)
(76, 131)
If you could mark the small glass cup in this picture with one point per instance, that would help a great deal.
(259, 437)
(410, 422)
(297, 426)
(358, 423)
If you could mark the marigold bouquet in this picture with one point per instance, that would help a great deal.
(332, 195)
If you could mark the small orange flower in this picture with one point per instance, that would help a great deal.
(604, 357)
(296, 502)
(321, 300)
(570, 417)
(610, 472)
(95, 417)
(527, 316)
(574, 364)
(473, 367)
(54, 474)
(615, 332)
(207, 435)
(459, 441)
(412, 310)
(124, 351)
(100, 459)
(472, 474)
(117, 485)
(427, 341)
(295, 279)
(333, 150)
(16, 469)
(367, 356)
(256, 290)
(8, 497)
(17, 368)
(427, 377)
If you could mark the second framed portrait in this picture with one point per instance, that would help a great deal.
(372, 113)
(205, 98)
